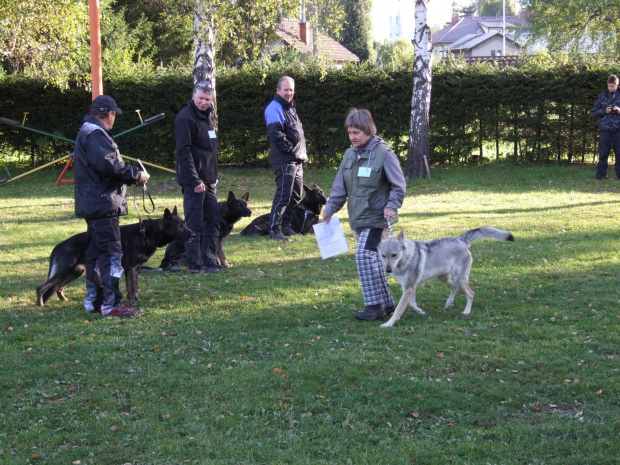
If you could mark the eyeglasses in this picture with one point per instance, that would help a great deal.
(204, 84)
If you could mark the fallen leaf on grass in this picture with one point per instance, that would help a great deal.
(415, 414)
(277, 370)
(113, 428)
(600, 391)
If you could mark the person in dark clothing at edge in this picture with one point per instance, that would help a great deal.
(607, 110)
(101, 177)
(287, 154)
(196, 144)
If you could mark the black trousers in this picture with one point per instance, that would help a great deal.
(104, 252)
(608, 138)
(202, 216)
(289, 185)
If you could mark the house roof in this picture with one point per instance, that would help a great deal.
(288, 31)
(472, 40)
(475, 25)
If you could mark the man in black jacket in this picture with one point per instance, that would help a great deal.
(196, 144)
(100, 179)
(607, 109)
(287, 154)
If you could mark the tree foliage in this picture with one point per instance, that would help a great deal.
(495, 7)
(48, 39)
(355, 33)
(395, 54)
(576, 25)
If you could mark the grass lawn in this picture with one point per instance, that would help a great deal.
(265, 363)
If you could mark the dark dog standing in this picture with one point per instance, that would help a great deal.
(305, 215)
(139, 240)
(231, 210)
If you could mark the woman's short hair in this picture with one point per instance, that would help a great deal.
(362, 120)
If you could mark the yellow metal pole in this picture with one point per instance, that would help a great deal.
(34, 170)
(150, 164)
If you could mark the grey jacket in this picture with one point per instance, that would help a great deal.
(390, 172)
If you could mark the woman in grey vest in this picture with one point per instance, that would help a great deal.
(371, 181)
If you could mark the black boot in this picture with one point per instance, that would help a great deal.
(371, 312)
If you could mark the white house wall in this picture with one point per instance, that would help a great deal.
(392, 19)
(485, 50)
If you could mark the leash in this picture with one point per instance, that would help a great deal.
(390, 226)
(145, 192)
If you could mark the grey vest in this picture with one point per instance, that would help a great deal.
(367, 196)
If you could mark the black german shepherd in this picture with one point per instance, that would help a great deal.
(231, 210)
(68, 257)
(304, 215)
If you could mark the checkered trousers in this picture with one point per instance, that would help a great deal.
(373, 279)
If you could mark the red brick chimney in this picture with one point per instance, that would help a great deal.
(455, 18)
(302, 32)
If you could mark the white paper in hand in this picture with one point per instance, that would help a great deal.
(330, 238)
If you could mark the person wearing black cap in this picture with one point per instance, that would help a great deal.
(196, 144)
(101, 177)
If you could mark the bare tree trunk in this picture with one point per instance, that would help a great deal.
(204, 48)
(417, 154)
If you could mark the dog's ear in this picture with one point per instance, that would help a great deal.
(174, 211)
(231, 197)
(246, 197)
(306, 189)
(167, 213)
(385, 234)
(315, 186)
(401, 236)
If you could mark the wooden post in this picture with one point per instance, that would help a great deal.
(95, 48)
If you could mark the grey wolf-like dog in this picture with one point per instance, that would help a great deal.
(449, 260)
(139, 241)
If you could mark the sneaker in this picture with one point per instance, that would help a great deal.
(278, 236)
(203, 270)
(389, 310)
(94, 310)
(220, 267)
(123, 311)
(371, 312)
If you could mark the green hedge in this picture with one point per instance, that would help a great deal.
(529, 114)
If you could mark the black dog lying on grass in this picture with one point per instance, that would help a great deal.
(68, 257)
(304, 215)
(231, 210)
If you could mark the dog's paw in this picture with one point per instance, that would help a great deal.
(386, 325)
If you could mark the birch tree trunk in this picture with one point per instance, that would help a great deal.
(204, 47)
(418, 152)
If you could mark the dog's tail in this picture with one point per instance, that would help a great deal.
(486, 232)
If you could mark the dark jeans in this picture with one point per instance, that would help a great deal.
(289, 185)
(608, 138)
(104, 252)
(202, 216)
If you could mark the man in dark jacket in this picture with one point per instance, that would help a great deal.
(607, 110)
(196, 144)
(100, 179)
(287, 154)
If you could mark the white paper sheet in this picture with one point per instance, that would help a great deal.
(330, 238)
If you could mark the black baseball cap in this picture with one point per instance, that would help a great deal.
(105, 104)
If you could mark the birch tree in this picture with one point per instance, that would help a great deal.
(417, 154)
